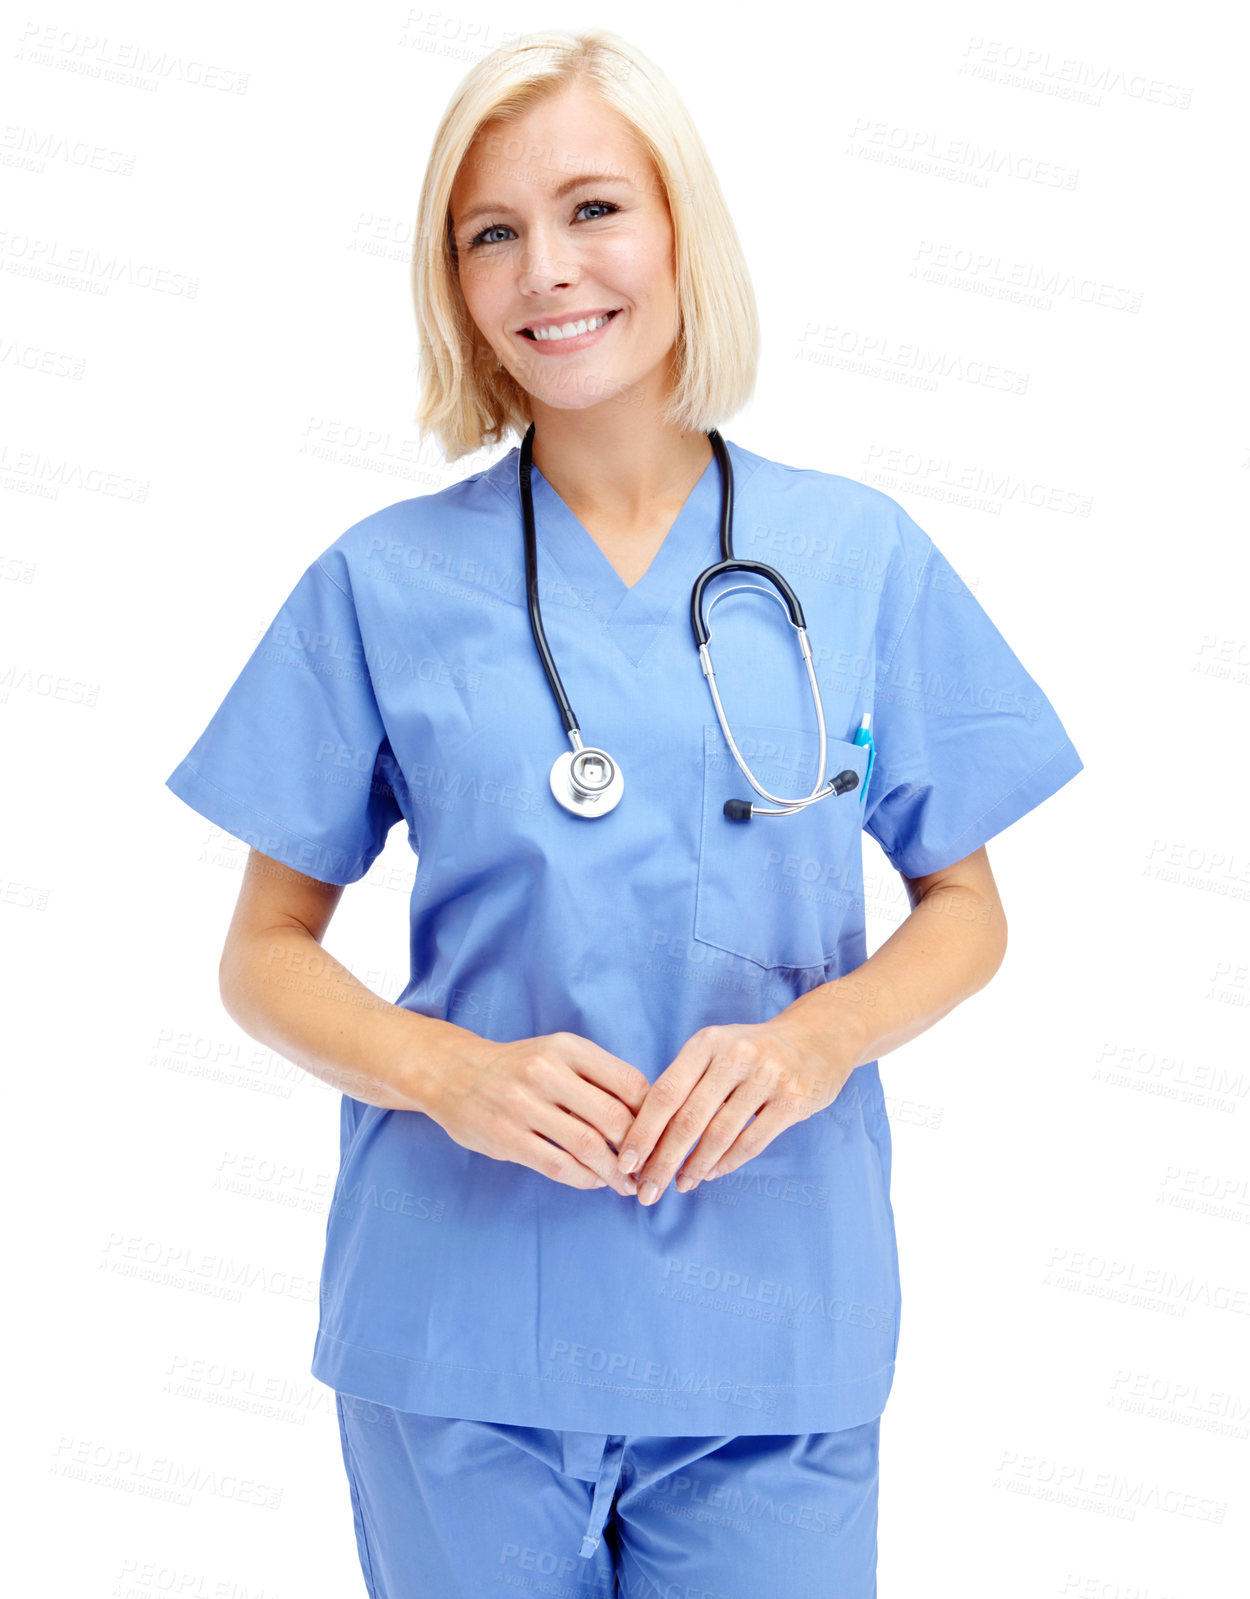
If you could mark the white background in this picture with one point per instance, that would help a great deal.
(1071, 1409)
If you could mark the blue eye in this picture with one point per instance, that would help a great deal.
(605, 206)
(481, 237)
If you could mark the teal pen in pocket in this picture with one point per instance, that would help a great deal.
(864, 736)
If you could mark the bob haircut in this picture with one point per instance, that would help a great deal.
(467, 399)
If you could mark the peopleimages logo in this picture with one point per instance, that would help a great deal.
(613, 1366)
(766, 1291)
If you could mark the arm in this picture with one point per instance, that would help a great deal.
(949, 947)
(557, 1104)
(282, 988)
(781, 1071)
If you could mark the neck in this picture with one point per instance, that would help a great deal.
(620, 469)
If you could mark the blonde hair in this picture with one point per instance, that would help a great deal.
(466, 399)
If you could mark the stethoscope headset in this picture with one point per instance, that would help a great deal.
(586, 780)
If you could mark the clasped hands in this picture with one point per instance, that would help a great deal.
(726, 1095)
(574, 1112)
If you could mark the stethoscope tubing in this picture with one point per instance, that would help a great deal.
(698, 624)
(524, 469)
(705, 660)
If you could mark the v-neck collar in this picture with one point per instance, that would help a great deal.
(629, 615)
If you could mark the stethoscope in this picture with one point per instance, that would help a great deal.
(586, 780)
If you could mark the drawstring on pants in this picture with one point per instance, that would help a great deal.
(605, 1488)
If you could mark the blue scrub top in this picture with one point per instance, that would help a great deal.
(399, 682)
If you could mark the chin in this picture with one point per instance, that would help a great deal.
(571, 397)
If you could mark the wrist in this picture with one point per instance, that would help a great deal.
(842, 1010)
(433, 1051)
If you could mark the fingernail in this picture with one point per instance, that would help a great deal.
(685, 1184)
(649, 1192)
(600, 1182)
(628, 1160)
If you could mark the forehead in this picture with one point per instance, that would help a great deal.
(569, 132)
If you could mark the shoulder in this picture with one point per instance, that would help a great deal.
(831, 521)
(414, 535)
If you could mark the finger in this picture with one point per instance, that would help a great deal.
(714, 1103)
(664, 1097)
(549, 1159)
(773, 1119)
(589, 1120)
(607, 1117)
(584, 1143)
(609, 1072)
(604, 1112)
(722, 1132)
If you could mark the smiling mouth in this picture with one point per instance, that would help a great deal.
(552, 335)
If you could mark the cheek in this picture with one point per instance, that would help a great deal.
(471, 289)
(650, 284)
(477, 280)
(661, 273)
(641, 266)
(479, 302)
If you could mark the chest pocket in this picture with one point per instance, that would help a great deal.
(777, 889)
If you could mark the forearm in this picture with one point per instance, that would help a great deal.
(285, 990)
(950, 946)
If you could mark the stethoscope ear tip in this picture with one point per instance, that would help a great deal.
(740, 810)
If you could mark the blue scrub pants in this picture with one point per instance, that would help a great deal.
(450, 1509)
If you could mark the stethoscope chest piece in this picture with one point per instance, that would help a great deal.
(587, 781)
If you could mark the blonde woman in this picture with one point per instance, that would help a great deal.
(610, 1290)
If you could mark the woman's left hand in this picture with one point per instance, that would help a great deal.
(779, 1072)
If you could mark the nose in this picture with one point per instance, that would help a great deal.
(542, 267)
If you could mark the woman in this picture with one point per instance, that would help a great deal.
(674, 1385)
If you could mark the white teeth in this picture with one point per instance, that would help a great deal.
(570, 330)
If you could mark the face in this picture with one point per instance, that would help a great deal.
(559, 218)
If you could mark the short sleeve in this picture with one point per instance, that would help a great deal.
(966, 742)
(296, 761)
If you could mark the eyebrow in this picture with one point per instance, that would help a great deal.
(557, 193)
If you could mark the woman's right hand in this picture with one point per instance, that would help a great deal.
(507, 1100)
